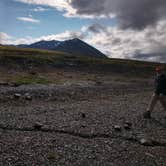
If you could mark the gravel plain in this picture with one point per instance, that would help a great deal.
(76, 126)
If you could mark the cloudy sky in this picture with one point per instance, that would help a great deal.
(134, 29)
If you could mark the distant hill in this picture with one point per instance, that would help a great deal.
(74, 46)
(26, 58)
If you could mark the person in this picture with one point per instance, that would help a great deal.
(159, 93)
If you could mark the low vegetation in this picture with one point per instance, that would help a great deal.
(31, 79)
(25, 63)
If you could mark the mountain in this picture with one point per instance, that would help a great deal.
(74, 46)
(47, 45)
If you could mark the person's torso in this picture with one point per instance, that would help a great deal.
(160, 81)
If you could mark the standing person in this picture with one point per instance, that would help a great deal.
(159, 93)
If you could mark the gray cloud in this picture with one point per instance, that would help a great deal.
(97, 28)
(148, 44)
(160, 57)
(136, 14)
(94, 7)
(6, 39)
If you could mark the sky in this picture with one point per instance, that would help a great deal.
(129, 29)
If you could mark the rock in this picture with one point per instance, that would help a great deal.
(128, 123)
(83, 126)
(17, 95)
(37, 126)
(127, 127)
(3, 83)
(83, 115)
(146, 142)
(117, 128)
(28, 96)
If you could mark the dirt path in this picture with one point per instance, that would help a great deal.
(78, 126)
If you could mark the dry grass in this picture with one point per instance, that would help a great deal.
(30, 66)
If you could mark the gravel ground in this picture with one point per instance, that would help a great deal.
(77, 126)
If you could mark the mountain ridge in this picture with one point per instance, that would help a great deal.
(73, 46)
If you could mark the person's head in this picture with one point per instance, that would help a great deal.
(159, 69)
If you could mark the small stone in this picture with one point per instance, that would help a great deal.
(28, 97)
(127, 127)
(83, 115)
(38, 126)
(45, 128)
(117, 128)
(146, 142)
(83, 126)
(128, 123)
(17, 95)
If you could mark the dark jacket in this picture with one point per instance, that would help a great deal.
(160, 84)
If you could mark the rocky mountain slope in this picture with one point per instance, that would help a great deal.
(73, 46)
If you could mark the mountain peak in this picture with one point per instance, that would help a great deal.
(73, 46)
(76, 39)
